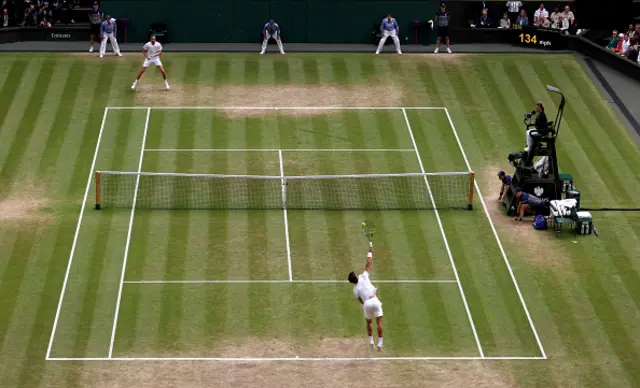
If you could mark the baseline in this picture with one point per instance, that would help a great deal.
(259, 359)
(267, 281)
(279, 107)
(495, 233)
(279, 149)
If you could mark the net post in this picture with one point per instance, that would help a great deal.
(97, 190)
(472, 176)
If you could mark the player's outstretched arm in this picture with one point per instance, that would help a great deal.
(367, 266)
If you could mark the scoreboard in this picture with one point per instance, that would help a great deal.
(542, 38)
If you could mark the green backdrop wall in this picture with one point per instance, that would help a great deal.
(313, 21)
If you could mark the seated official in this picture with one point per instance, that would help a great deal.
(505, 182)
(484, 21)
(527, 203)
(541, 126)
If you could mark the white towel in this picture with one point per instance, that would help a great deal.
(562, 207)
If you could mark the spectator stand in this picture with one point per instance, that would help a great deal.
(70, 22)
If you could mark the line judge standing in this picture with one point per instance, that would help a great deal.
(109, 31)
(271, 30)
(389, 28)
(442, 23)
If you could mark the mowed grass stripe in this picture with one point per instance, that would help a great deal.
(511, 302)
(571, 332)
(332, 238)
(20, 142)
(90, 323)
(15, 71)
(507, 130)
(16, 344)
(48, 301)
(218, 244)
(281, 71)
(617, 132)
(173, 310)
(480, 281)
(178, 223)
(310, 71)
(138, 318)
(14, 276)
(614, 325)
(36, 145)
(17, 266)
(257, 233)
(62, 119)
(618, 166)
(423, 260)
(80, 115)
(90, 134)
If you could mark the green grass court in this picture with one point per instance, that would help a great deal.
(121, 297)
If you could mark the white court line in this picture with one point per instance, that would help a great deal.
(444, 236)
(495, 233)
(126, 248)
(230, 281)
(286, 218)
(262, 359)
(278, 149)
(279, 107)
(77, 233)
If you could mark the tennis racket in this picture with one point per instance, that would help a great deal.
(369, 228)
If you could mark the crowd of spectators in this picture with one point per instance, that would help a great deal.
(625, 44)
(516, 14)
(39, 13)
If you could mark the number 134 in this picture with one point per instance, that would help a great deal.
(526, 38)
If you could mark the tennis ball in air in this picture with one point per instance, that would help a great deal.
(364, 224)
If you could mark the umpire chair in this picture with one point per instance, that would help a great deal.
(546, 185)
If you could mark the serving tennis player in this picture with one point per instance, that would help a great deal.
(152, 52)
(371, 305)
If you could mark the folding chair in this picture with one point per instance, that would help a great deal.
(558, 222)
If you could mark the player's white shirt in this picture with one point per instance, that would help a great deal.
(364, 289)
(152, 49)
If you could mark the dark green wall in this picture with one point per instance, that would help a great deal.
(314, 21)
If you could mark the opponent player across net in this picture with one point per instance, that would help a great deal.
(152, 51)
(366, 292)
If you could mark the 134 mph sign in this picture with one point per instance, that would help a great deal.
(541, 38)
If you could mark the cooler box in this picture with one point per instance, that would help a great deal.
(574, 194)
(584, 224)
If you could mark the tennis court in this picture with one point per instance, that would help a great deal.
(271, 284)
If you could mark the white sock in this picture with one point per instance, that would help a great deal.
(380, 342)
(135, 81)
(371, 339)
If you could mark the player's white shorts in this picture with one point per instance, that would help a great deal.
(372, 308)
(155, 61)
(269, 35)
